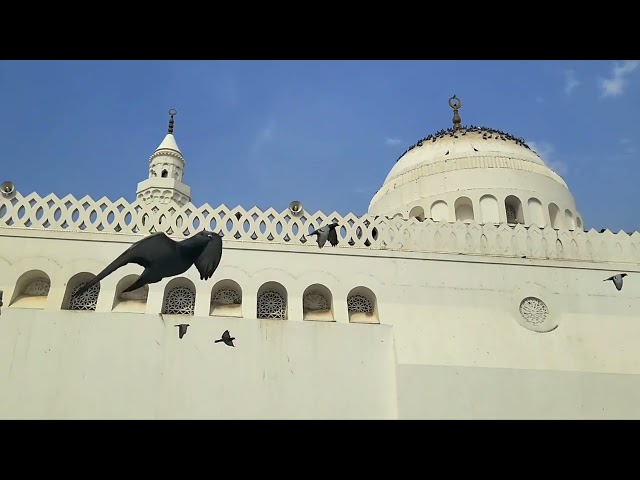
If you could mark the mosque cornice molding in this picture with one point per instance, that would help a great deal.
(166, 152)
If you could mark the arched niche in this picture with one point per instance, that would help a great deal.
(362, 306)
(440, 211)
(513, 207)
(569, 220)
(88, 300)
(317, 303)
(464, 210)
(226, 299)
(579, 223)
(32, 290)
(272, 302)
(179, 297)
(131, 302)
(489, 210)
(554, 216)
(536, 215)
(417, 212)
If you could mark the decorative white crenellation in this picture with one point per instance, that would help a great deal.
(166, 171)
(272, 227)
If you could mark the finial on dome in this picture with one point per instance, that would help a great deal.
(457, 121)
(172, 113)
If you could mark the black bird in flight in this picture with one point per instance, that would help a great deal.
(227, 339)
(182, 329)
(328, 232)
(163, 257)
(617, 280)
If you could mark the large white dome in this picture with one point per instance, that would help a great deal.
(476, 173)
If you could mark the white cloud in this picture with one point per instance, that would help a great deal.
(547, 152)
(265, 135)
(624, 141)
(392, 142)
(570, 81)
(615, 85)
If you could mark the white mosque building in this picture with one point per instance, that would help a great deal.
(470, 290)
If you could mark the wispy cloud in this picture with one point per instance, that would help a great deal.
(547, 152)
(570, 81)
(264, 136)
(615, 85)
(392, 142)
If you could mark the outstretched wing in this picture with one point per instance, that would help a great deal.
(210, 257)
(333, 237)
(144, 252)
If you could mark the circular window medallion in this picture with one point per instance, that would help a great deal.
(534, 310)
(535, 315)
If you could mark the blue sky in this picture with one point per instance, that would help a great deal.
(323, 132)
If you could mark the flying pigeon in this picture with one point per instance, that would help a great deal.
(182, 329)
(227, 339)
(163, 257)
(617, 280)
(328, 232)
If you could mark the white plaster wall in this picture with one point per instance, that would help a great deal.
(89, 365)
(512, 394)
(444, 310)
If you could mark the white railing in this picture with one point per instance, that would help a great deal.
(270, 226)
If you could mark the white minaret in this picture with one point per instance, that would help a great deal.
(166, 169)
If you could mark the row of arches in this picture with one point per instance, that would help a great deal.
(489, 210)
(180, 294)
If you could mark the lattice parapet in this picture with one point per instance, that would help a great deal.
(270, 226)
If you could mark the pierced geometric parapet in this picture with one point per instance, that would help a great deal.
(534, 310)
(271, 304)
(180, 301)
(38, 287)
(87, 301)
(226, 296)
(367, 231)
(314, 301)
(359, 304)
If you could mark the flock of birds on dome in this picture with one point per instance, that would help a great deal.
(487, 133)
